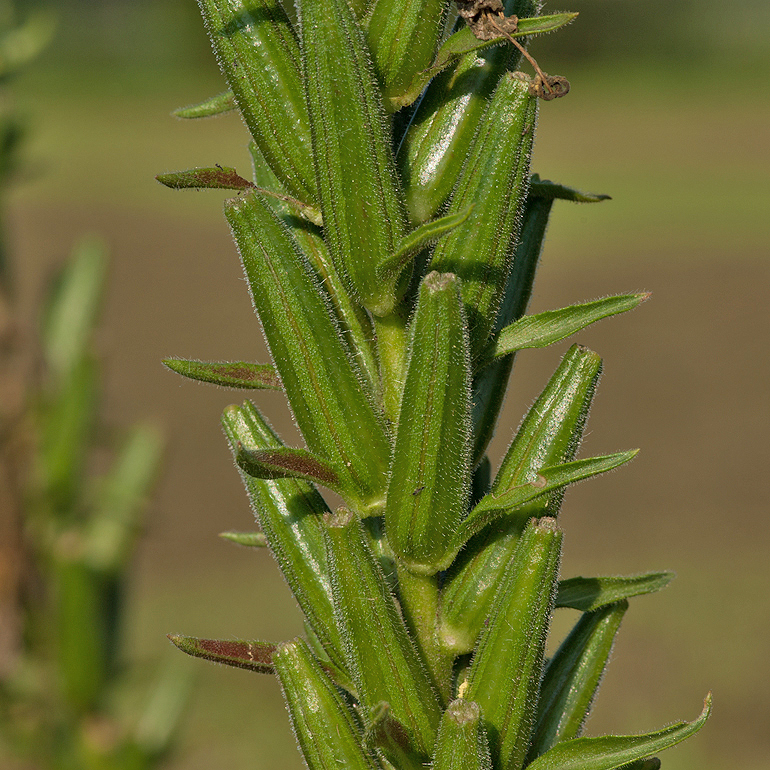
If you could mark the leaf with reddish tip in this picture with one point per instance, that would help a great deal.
(228, 374)
(286, 463)
(217, 178)
(252, 655)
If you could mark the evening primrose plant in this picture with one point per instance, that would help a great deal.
(389, 234)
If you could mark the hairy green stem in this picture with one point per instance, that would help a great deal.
(392, 344)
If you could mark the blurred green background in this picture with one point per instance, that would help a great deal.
(669, 114)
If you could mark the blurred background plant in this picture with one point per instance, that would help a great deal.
(72, 498)
(671, 120)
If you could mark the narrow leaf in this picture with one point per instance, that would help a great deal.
(247, 539)
(325, 727)
(543, 329)
(251, 655)
(543, 188)
(462, 741)
(493, 506)
(441, 132)
(465, 42)
(229, 374)
(615, 751)
(381, 657)
(216, 105)
(418, 239)
(359, 191)
(588, 594)
(572, 678)
(504, 677)
(218, 178)
(549, 435)
(430, 470)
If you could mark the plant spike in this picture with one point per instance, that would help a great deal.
(390, 235)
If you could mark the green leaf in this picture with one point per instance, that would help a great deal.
(549, 436)
(72, 308)
(335, 413)
(493, 506)
(588, 594)
(417, 240)
(359, 191)
(572, 678)
(543, 329)
(504, 677)
(464, 42)
(430, 470)
(490, 384)
(228, 374)
(325, 727)
(116, 520)
(403, 37)
(215, 105)
(495, 178)
(290, 513)
(462, 741)
(373, 632)
(251, 655)
(258, 53)
(615, 751)
(218, 178)
(246, 539)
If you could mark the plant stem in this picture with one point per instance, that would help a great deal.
(419, 602)
(392, 346)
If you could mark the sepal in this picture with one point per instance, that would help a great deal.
(615, 751)
(504, 677)
(430, 470)
(462, 741)
(228, 374)
(373, 630)
(324, 725)
(286, 463)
